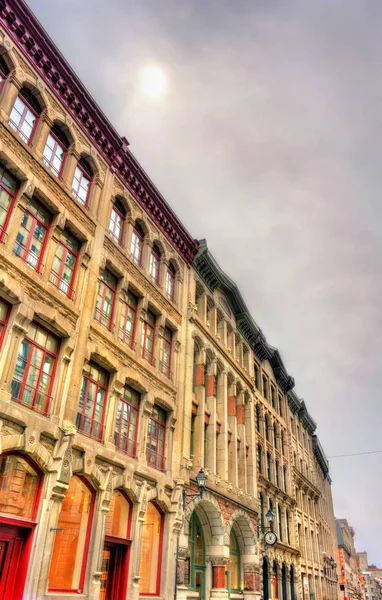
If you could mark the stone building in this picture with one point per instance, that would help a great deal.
(94, 272)
(372, 578)
(351, 579)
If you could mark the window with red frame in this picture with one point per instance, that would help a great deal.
(156, 437)
(148, 337)
(4, 72)
(126, 425)
(170, 282)
(154, 266)
(165, 352)
(137, 240)
(128, 320)
(71, 541)
(32, 235)
(8, 189)
(35, 368)
(24, 115)
(117, 222)
(151, 551)
(55, 150)
(81, 182)
(91, 407)
(4, 314)
(65, 263)
(19, 487)
(107, 285)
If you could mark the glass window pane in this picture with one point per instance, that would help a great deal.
(151, 541)
(18, 487)
(117, 519)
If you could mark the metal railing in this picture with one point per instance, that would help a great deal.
(147, 356)
(104, 319)
(125, 444)
(90, 427)
(156, 460)
(127, 338)
(3, 235)
(165, 369)
(28, 256)
(31, 397)
(61, 285)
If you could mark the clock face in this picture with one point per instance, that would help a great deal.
(270, 538)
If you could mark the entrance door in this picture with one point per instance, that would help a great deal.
(200, 585)
(12, 540)
(114, 572)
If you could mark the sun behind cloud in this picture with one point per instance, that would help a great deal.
(152, 81)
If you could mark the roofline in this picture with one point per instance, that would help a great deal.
(40, 51)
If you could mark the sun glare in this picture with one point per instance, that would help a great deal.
(152, 81)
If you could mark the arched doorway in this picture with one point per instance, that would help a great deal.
(284, 581)
(20, 485)
(115, 556)
(151, 551)
(275, 581)
(265, 580)
(292, 592)
(197, 557)
(233, 569)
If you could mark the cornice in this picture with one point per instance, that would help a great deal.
(40, 51)
(215, 278)
(320, 456)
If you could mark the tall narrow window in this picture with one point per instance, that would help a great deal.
(155, 449)
(192, 436)
(261, 509)
(287, 526)
(275, 435)
(273, 397)
(107, 285)
(137, 240)
(269, 467)
(170, 282)
(71, 542)
(19, 487)
(91, 407)
(148, 337)
(205, 445)
(115, 554)
(259, 459)
(154, 266)
(35, 366)
(285, 479)
(165, 352)
(266, 421)
(65, 263)
(126, 426)
(257, 418)
(233, 566)
(55, 151)
(82, 182)
(4, 314)
(8, 189)
(151, 551)
(265, 387)
(32, 235)
(280, 406)
(117, 221)
(24, 115)
(280, 523)
(128, 320)
(277, 469)
(4, 72)
(282, 443)
(256, 376)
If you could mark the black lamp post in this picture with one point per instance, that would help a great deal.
(201, 481)
(270, 517)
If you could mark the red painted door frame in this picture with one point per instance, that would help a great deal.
(18, 541)
(119, 566)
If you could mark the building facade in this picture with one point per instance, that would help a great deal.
(351, 579)
(129, 361)
(94, 271)
(372, 578)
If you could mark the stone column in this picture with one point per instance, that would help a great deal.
(199, 420)
(241, 432)
(222, 411)
(251, 580)
(219, 590)
(9, 95)
(210, 459)
(232, 458)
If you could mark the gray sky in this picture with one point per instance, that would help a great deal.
(268, 143)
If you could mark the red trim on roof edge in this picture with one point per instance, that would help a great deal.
(33, 41)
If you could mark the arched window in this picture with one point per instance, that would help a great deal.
(137, 241)
(233, 566)
(257, 418)
(24, 115)
(68, 563)
(197, 553)
(117, 221)
(19, 487)
(115, 551)
(65, 263)
(170, 282)
(154, 266)
(126, 426)
(82, 181)
(151, 551)
(55, 150)
(32, 234)
(4, 72)
(8, 189)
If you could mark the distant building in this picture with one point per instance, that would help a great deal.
(351, 579)
(372, 578)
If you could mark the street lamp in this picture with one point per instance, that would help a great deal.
(201, 482)
(270, 538)
(332, 562)
(270, 517)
